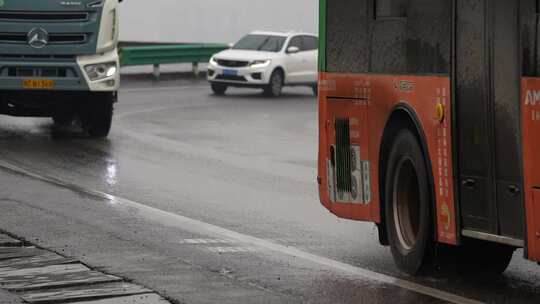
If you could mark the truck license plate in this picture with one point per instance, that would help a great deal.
(43, 84)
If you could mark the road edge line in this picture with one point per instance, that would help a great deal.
(174, 219)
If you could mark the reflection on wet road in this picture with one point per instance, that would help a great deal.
(243, 163)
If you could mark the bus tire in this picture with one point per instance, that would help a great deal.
(408, 206)
(97, 114)
(482, 258)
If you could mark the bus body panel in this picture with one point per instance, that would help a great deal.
(478, 61)
(367, 101)
(531, 157)
(487, 122)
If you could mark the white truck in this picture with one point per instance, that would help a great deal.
(60, 59)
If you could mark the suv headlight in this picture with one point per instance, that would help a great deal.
(101, 70)
(260, 63)
(213, 61)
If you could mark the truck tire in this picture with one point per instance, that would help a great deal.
(64, 114)
(97, 114)
(62, 119)
(408, 206)
(218, 88)
(274, 88)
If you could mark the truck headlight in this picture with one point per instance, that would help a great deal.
(260, 63)
(101, 70)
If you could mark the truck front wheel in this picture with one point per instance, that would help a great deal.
(62, 119)
(408, 206)
(97, 114)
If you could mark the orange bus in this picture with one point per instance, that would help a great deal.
(428, 115)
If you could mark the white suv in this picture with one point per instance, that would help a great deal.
(266, 60)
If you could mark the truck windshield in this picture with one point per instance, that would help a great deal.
(260, 43)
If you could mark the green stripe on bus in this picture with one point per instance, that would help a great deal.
(322, 35)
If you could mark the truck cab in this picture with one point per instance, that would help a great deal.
(60, 59)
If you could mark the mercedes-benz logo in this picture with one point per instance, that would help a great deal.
(38, 38)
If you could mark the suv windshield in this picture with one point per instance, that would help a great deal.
(261, 43)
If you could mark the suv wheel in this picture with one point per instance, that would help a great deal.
(315, 89)
(275, 86)
(218, 88)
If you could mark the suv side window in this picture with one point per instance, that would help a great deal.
(296, 41)
(310, 43)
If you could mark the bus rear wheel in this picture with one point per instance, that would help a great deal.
(408, 206)
(480, 258)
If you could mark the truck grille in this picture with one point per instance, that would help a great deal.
(67, 38)
(69, 32)
(343, 156)
(44, 16)
(21, 38)
(12, 38)
(14, 57)
(232, 63)
(38, 72)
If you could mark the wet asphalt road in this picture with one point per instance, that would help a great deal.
(242, 163)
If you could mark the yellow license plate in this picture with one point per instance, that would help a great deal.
(38, 84)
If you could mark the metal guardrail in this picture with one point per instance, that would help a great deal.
(155, 54)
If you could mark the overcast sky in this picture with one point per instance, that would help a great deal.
(213, 20)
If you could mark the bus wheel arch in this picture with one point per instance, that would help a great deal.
(407, 216)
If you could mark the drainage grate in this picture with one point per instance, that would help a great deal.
(40, 276)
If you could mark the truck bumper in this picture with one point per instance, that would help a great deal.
(40, 103)
(67, 73)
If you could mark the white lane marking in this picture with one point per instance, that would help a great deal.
(231, 249)
(164, 89)
(150, 110)
(218, 245)
(206, 241)
(186, 223)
